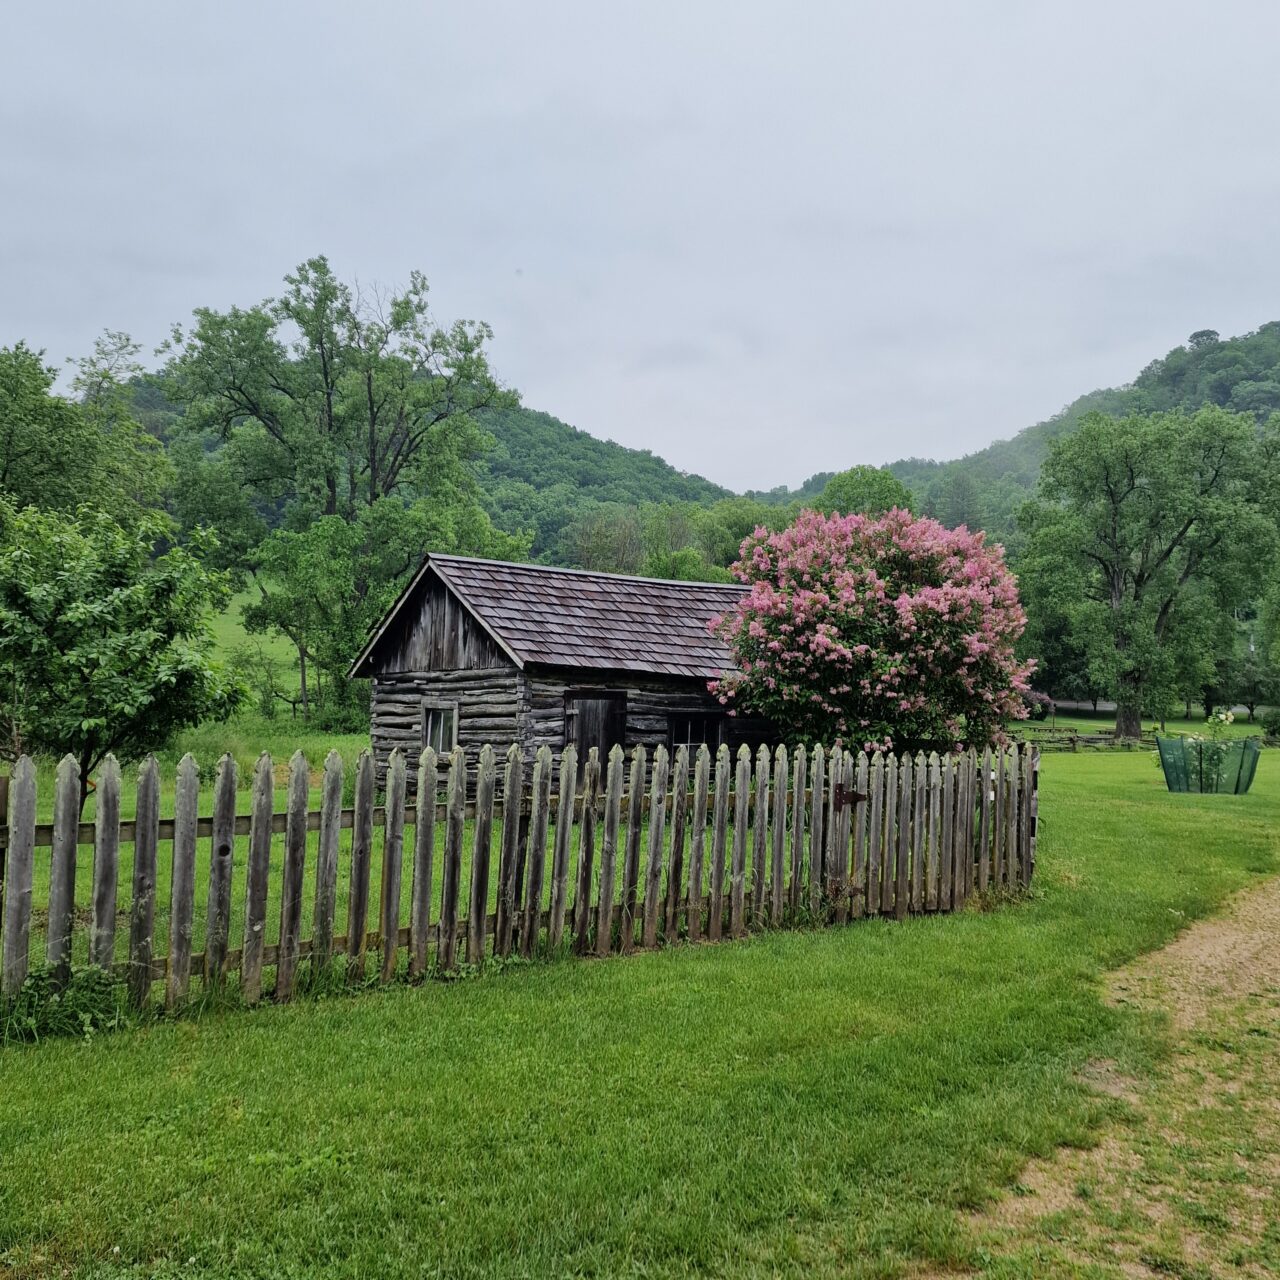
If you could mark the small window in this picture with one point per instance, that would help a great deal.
(693, 730)
(440, 726)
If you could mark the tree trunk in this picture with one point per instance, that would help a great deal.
(1128, 718)
(302, 672)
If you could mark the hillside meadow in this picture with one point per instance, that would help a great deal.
(824, 1102)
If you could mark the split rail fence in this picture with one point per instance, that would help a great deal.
(633, 853)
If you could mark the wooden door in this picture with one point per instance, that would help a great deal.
(597, 720)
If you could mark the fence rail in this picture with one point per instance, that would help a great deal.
(632, 853)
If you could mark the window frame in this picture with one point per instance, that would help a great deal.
(716, 717)
(429, 705)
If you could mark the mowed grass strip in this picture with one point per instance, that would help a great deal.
(818, 1102)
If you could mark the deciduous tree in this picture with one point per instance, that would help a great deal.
(887, 631)
(104, 635)
(1133, 518)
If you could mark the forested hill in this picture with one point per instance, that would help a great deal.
(541, 474)
(985, 488)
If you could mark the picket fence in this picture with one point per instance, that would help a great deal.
(820, 838)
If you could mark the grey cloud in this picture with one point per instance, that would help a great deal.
(761, 239)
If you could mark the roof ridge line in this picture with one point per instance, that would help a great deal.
(583, 573)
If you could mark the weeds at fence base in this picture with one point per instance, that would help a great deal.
(92, 1001)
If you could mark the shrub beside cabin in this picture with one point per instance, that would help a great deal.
(481, 651)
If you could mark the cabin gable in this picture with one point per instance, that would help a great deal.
(435, 631)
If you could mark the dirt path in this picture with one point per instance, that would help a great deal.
(1189, 1184)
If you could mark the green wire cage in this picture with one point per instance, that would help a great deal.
(1225, 768)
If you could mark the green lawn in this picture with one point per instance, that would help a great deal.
(816, 1102)
(1104, 722)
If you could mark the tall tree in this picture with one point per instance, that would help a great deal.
(329, 398)
(1133, 515)
(104, 635)
(58, 452)
(863, 490)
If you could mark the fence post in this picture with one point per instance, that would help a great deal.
(1033, 814)
(560, 857)
(609, 852)
(508, 856)
(62, 869)
(935, 833)
(817, 801)
(679, 823)
(1013, 827)
(18, 877)
(777, 882)
(257, 868)
(631, 860)
(537, 855)
(657, 837)
(698, 841)
(361, 858)
(719, 834)
(586, 853)
(450, 885)
(142, 916)
(327, 863)
(221, 868)
(737, 874)
(760, 836)
(182, 882)
(875, 833)
(796, 885)
(946, 889)
(392, 864)
(900, 888)
(424, 848)
(106, 864)
(481, 854)
(919, 830)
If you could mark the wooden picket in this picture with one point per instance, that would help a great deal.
(795, 838)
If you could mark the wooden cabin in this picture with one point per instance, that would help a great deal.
(482, 651)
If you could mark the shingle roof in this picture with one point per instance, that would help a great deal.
(598, 621)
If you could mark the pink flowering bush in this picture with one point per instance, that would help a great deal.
(887, 632)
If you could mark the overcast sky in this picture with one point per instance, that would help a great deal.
(761, 240)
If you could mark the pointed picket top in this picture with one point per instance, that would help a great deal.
(188, 768)
(332, 762)
(262, 769)
(68, 767)
(744, 753)
(23, 770)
